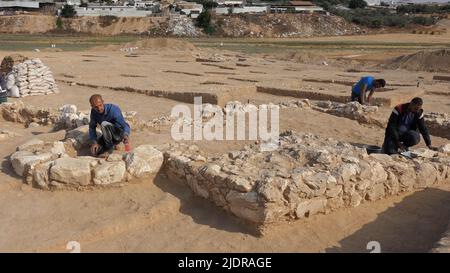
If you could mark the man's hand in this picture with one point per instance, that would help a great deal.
(401, 147)
(95, 148)
(125, 139)
(432, 148)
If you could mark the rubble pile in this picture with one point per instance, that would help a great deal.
(306, 175)
(21, 113)
(67, 117)
(30, 78)
(283, 25)
(364, 114)
(351, 110)
(182, 26)
(50, 166)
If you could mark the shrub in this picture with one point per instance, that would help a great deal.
(357, 4)
(59, 23)
(68, 11)
(204, 22)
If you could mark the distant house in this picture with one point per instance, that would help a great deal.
(372, 3)
(26, 5)
(296, 7)
(190, 9)
(251, 9)
(231, 3)
(119, 11)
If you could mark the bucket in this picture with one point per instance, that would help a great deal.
(372, 149)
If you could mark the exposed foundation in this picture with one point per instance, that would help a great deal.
(306, 175)
(387, 98)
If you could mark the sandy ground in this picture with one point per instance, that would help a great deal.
(158, 215)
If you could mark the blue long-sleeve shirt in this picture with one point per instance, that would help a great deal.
(112, 114)
(367, 80)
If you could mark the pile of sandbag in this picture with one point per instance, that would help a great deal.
(30, 78)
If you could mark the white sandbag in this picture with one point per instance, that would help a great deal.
(14, 92)
(10, 81)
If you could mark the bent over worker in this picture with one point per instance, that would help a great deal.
(366, 85)
(405, 123)
(112, 124)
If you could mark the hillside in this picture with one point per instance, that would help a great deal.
(270, 25)
(284, 25)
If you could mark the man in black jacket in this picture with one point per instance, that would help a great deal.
(405, 123)
(3, 91)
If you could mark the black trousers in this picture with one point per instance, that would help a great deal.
(356, 98)
(111, 135)
(409, 139)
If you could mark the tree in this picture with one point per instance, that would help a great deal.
(68, 11)
(204, 21)
(59, 23)
(357, 4)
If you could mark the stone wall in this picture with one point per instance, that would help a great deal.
(55, 165)
(67, 117)
(387, 99)
(26, 114)
(438, 124)
(364, 114)
(306, 175)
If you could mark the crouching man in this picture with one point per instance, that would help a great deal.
(405, 123)
(113, 126)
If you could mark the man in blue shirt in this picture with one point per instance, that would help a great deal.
(113, 126)
(364, 85)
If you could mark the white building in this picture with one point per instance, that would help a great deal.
(25, 4)
(119, 11)
(230, 3)
(244, 9)
(190, 9)
(372, 3)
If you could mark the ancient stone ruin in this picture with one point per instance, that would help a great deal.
(438, 124)
(364, 114)
(67, 117)
(26, 114)
(306, 175)
(56, 165)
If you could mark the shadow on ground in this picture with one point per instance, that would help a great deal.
(202, 211)
(7, 168)
(413, 225)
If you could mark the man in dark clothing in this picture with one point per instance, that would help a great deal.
(3, 91)
(113, 126)
(405, 123)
